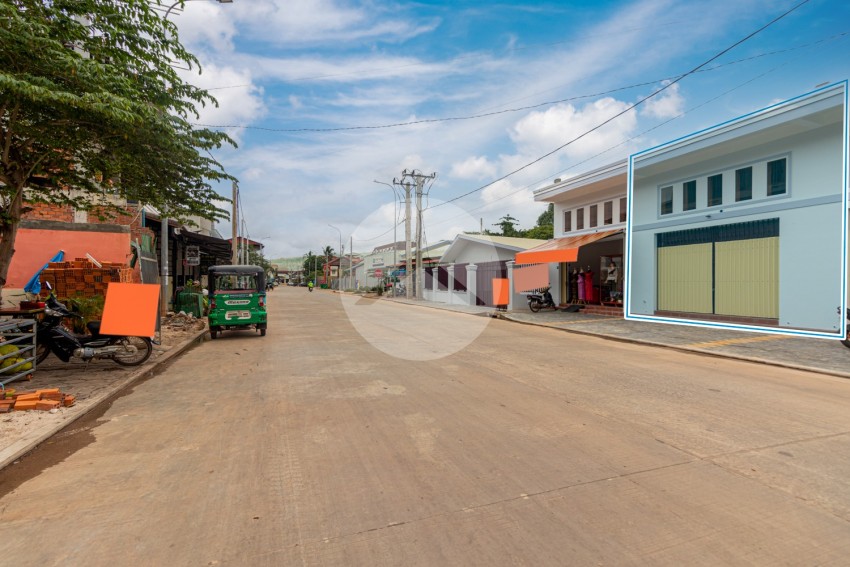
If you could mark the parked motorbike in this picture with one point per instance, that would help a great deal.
(538, 301)
(52, 336)
(846, 342)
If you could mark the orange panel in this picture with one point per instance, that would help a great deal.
(130, 309)
(34, 247)
(527, 278)
(501, 291)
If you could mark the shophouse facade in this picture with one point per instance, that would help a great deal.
(586, 257)
(744, 224)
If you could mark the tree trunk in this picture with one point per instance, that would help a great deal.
(8, 233)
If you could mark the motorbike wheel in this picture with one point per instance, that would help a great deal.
(42, 351)
(534, 306)
(138, 350)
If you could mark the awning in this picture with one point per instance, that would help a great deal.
(561, 249)
(218, 248)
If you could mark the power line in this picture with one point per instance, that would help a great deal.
(629, 108)
(513, 109)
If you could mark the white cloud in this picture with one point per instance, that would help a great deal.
(239, 102)
(295, 22)
(666, 104)
(541, 132)
(475, 167)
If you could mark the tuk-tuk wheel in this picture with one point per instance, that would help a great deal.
(214, 333)
(262, 328)
(262, 332)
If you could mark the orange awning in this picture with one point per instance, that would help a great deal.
(561, 249)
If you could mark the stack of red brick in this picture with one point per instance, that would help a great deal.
(83, 278)
(44, 400)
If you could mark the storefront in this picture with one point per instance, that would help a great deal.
(589, 268)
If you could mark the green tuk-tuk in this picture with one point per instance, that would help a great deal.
(237, 297)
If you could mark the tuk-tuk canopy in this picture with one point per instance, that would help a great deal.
(246, 275)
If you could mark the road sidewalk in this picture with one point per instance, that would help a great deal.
(93, 384)
(815, 355)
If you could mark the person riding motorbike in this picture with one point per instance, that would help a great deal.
(310, 286)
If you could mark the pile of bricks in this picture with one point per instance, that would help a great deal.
(43, 400)
(83, 278)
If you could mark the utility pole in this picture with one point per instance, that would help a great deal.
(419, 180)
(350, 262)
(234, 250)
(406, 185)
(163, 252)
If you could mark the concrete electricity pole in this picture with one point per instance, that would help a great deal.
(406, 185)
(419, 180)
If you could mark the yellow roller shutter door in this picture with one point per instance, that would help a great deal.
(747, 277)
(684, 278)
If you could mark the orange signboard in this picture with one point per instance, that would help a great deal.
(130, 309)
(501, 291)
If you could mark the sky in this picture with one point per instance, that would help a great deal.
(326, 97)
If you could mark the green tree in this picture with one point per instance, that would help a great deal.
(92, 111)
(547, 217)
(311, 265)
(545, 228)
(508, 225)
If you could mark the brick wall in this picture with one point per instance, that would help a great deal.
(44, 211)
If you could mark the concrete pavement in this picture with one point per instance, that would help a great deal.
(814, 355)
(320, 448)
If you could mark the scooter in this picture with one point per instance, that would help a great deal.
(538, 301)
(52, 336)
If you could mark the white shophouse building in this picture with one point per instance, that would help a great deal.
(744, 224)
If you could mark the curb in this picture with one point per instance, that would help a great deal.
(33, 439)
(506, 316)
(690, 350)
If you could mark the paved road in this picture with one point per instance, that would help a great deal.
(528, 446)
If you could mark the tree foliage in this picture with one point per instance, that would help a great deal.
(91, 108)
(543, 230)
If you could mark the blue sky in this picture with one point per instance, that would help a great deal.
(342, 72)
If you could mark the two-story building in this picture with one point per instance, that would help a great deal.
(744, 224)
(586, 257)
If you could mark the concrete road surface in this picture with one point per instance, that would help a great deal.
(315, 445)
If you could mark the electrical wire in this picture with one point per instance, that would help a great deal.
(513, 109)
(630, 107)
(624, 142)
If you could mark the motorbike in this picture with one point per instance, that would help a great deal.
(52, 336)
(846, 342)
(538, 301)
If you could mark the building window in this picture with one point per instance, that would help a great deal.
(666, 200)
(715, 190)
(623, 209)
(689, 195)
(594, 215)
(568, 221)
(580, 218)
(776, 177)
(744, 184)
(609, 212)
